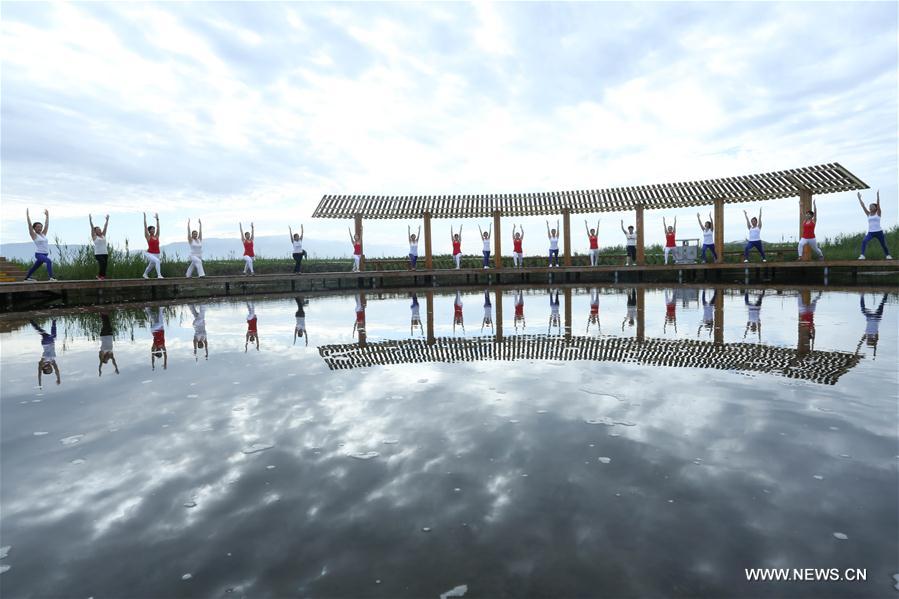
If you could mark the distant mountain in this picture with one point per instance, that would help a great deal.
(272, 246)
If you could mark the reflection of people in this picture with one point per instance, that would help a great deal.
(872, 323)
(753, 314)
(47, 364)
(485, 237)
(807, 317)
(875, 229)
(517, 252)
(708, 313)
(553, 235)
(416, 316)
(488, 312)
(519, 310)
(457, 313)
(359, 325)
(200, 339)
(670, 311)
(195, 241)
(299, 329)
(631, 308)
(157, 328)
(106, 336)
(554, 319)
(594, 311)
(252, 327)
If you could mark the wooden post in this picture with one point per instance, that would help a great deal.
(498, 325)
(804, 337)
(497, 241)
(429, 260)
(567, 293)
(566, 224)
(805, 204)
(719, 313)
(358, 219)
(641, 312)
(361, 329)
(719, 228)
(641, 256)
(429, 297)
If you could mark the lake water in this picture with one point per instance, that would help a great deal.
(604, 442)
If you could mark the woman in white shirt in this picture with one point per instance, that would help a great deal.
(296, 240)
(875, 230)
(485, 238)
(101, 252)
(195, 241)
(413, 246)
(708, 236)
(631, 237)
(553, 235)
(755, 236)
(38, 234)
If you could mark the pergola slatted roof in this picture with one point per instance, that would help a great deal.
(825, 178)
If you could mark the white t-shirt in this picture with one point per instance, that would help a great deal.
(297, 246)
(554, 243)
(631, 238)
(874, 223)
(41, 245)
(105, 343)
(486, 245)
(708, 236)
(413, 248)
(196, 248)
(100, 246)
(755, 234)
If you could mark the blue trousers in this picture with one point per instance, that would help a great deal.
(749, 245)
(486, 258)
(878, 235)
(709, 246)
(413, 260)
(38, 260)
(553, 254)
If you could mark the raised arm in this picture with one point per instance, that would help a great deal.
(90, 219)
(862, 203)
(547, 229)
(158, 229)
(558, 228)
(674, 226)
(746, 216)
(146, 233)
(699, 220)
(301, 231)
(252, 232)
(480, 231)
(711, 221)
(352, 239)
(408, 232)
(760, 218)
(522, 231)
(30, 227)
(105, 225)
(418, 235)
(623, 230)
(490, 231)
(46, 222)
(290, 233)
(814, 211)
(451, 233)
(200, 229)
(879, 213)
(664, 226)
(240, 226)
(188, 231)
(586, 227)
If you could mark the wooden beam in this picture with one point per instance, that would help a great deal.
(805, 204)
(566, 224)
(719, 317)
(719, 228)
(641, 255)
(358, 221)
(429, 260)
(641, 315)
(497, 242)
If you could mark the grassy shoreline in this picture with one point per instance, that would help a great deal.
(79, 263)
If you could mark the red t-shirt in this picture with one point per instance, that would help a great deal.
(516, 246)
(594, 241)
(248, 248)
(152, 245)
(670, 311)
(519, 310)
(457, 247)
(360, 316)
(808, 229)
(357, 249)
(159, 338)
(251, 325)
(669, 240)
(594, 309)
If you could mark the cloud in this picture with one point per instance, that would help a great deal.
(255, 111)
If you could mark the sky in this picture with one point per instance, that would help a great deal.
(239, 112)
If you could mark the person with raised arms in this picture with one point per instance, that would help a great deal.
(631, 236)
(753, 314)
(457, 313)
(106, 353)
(456, 240)
(38, 232)
(201, 339)
(157, 330)
(555, 319)
(708, 237)
(101, 251)
(248, 252)
(755, 236)
(593, 239)
(296, 240)
(517, 253)
(485, 237)
(47, 364)
(151, 234)
(808, 232)
(299, 328)
(413, 246)
(252, 336)
(519, 310)
(593, 318)
(670, 237)
(195, 241)
(553, 235)
(875, 229)
(356, 241)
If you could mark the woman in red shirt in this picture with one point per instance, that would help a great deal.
(593, 238)
(517, 254)
(808, 232)
(356, 240)
(252, 330)
(670, 234)
(456, 239)
(152, 254)
(248, 253)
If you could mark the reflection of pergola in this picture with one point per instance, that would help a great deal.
(801, 182)
(823, 367)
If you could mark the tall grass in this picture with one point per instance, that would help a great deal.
(77, 262)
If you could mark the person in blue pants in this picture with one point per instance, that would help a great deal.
(875, 230)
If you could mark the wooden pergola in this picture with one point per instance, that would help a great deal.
(799, 182)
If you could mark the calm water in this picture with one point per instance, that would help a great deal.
(605, 443)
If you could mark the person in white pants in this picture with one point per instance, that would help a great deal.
(456, 239)
(670, 235)
(152, 254)
(195, 241)
(248, 253)
(593, 238)
(517, 253)
(808, 232)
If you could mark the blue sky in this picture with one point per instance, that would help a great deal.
(253, 111)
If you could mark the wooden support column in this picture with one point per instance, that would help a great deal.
(429, 313)
(719, 315)
(641, 255)
(804, 335)
(641, 313)
(358, 219)
(566, 225)
(567, 293)
(805, 204)
(429, 260)
(362, 325)
(498, 324)
(719, 228)
(497, 240)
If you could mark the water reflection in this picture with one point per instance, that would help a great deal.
(201, 340)
(299, 329)
(252, 336)
(158, 350)
(47, 362)
(753, 314)
(872, 323)
(107, 336)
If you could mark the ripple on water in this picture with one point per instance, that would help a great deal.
(257, 447)
(4, 551)
(190, 504)
(4, 568)
(367, 455)
(187, 576)
(40, 433)
(818, 477)
(457, 591)
(840, 535)
(77, 461)
(600, 420)
(71, 440)
(604, 459)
